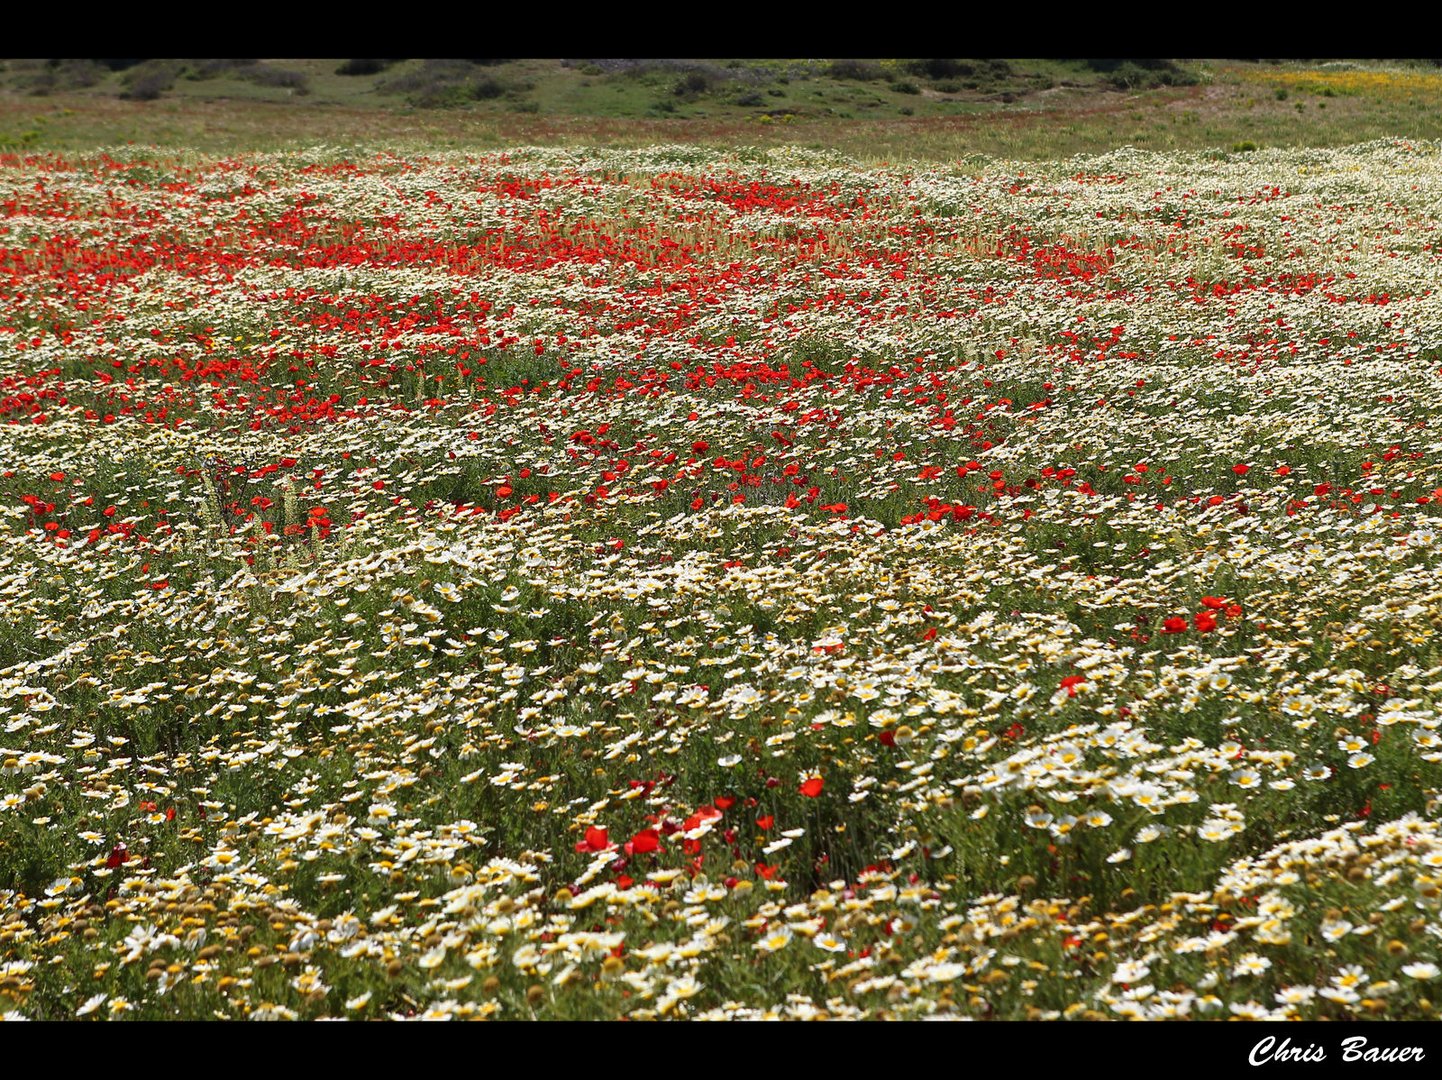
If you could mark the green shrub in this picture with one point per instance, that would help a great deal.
(440, 84)
(1142, 74)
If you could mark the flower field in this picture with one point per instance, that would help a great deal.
(677, 583)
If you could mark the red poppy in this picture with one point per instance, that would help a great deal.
(1240, 469)
(646, 840)
(597, 839)
(1205, 621)
(764, 823)
(700, 817)
(1070, 682)
(725, 802)
(1216, 603)
(812, 787)
(887, 738)
(118, 855)
(1174, 625)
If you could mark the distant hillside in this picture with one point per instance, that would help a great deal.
(919, 109)
(802, 89)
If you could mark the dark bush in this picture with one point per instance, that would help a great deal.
(440, 96)
(147, 81)
(430, 73)
(210, 69)
(78, 73)
(1142, 74)
(283, 78)
(61, 75)
(857, 70)
(905, 88)
(119, 65)
(691, 84)
(1104, 65)
(149, 87)
(442, 84)
(939, 69)
(750, 100)
(363, 67)
(958, 69)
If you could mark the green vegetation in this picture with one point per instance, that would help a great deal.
(891, 109)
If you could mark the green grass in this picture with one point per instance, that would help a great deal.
(1038, 109)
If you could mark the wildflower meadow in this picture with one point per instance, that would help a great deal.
(701, 583)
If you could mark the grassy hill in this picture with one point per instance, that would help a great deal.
(843, 89)
(938, 108)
